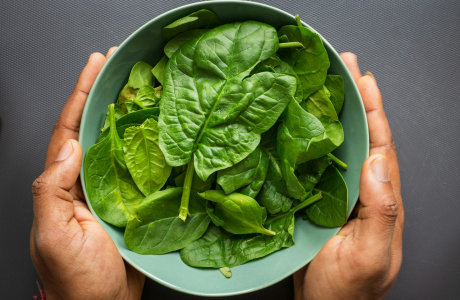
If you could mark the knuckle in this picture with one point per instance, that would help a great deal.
(39, 185)
(389, 209)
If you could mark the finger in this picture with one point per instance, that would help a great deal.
(68, 124)
(53, 203)
(351, 61)
(375, 226)
(380, 137)
(110, 52)
(298, 279)
(136, 281)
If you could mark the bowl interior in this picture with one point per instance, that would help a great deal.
(146, 44)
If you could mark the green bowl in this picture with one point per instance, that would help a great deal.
(146, 44)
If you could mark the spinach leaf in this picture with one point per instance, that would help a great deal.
(210, 114)
(141, 75)
(111, 190)
(244, 172)
(147, 97)
(236, 213)
(132, 119)
(197, 183)
(131, 106)
(218, 248)
(202, 19)
(176, 43)
(157, 229)
(252, 189)
(319, 105)
(159, 70)
(297, 131)
(143, 157)
(119, 112)
(336, 87)
(332, 209)
(126, 94)
(285, 68)
(311, 62)
(310, 173)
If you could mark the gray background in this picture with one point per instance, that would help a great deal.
(412, 48)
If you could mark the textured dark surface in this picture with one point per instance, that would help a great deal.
(412, 48)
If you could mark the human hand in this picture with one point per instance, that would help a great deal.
(73, 254)
(363, 260)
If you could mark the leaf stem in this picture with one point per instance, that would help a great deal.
(113, 126)
(338, 161)
(183, 211)
(296, 208)
(291, 45)
(297, 20)
(138, 103)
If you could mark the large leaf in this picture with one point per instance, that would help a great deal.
(209, 110)
(236, 213)
(332, 209)
(111, 190)
(176, 43)
(319, 105)
(298, 130)
(132, 119)
(311, 62)
(157, 229)
(285, 68)
(244, 172)
(143, 157)
(218, 248)
(336, 87)
(202, 19)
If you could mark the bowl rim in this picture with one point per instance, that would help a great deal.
(85, 116)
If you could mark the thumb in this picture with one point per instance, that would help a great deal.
(52, 200)
(377, 217)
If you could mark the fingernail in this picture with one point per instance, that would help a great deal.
(65, 152)
(369, 74)
(380, 169)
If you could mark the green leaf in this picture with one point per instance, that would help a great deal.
(209, 110)
(218, 248)
(141, 75)
(310, 173)
(132, 119)
(336, 87)
(159, 70)
(332, 209)
(310, 63)
(319, 105)
(111, 190)
(202, 19)
(143, 157)
(244, 173)
(126, 94)
(119, 112)
(298, 130)
(176, 43)
(197, 183)
(157, 229)
(253, 189)
(236, 213)
(147, 97)
(131, 106)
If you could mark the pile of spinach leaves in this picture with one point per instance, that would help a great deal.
(215, 148)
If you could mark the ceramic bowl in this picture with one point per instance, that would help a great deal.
(147, 44)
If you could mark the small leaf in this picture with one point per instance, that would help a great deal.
(143, 157)
(140, 75)
(202, 19)
(159, 70)
(237, 213)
